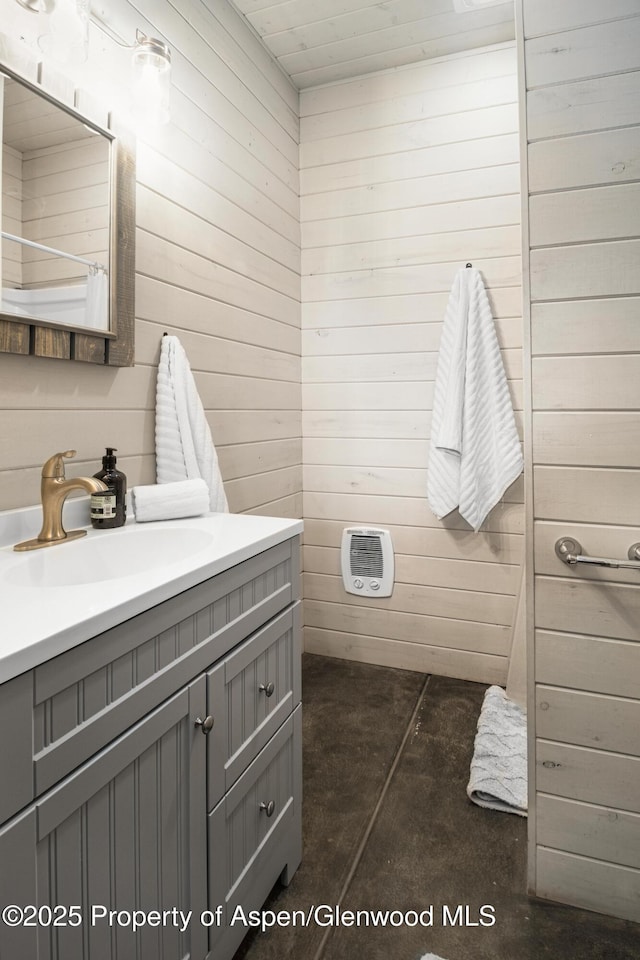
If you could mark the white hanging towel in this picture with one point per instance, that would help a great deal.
(475, 452)
(184, 448)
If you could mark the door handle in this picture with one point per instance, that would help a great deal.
(570, 552)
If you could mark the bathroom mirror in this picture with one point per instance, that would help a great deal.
(67, 230)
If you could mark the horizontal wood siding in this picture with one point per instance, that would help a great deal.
(217, 264)
(595, 884)
(587, 828)
(316, 43)
(405, 175)
(67, 209)
(582, 69)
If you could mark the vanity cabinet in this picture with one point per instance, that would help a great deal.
(120, 802)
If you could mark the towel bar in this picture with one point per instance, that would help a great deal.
(570, 552)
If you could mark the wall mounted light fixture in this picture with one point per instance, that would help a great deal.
(151, 78)
(65, 30)
(65, 37)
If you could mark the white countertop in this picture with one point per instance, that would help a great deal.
(39, 622)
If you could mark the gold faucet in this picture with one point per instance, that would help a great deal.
(54, 489)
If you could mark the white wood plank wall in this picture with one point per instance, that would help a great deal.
(217, 263)
(67, 209)
(405, 176)
(582, 71)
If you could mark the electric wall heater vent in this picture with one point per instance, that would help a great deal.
(367, 561)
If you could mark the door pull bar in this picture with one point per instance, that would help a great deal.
(570, 552)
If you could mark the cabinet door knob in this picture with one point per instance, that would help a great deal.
(268, 807)
(205, 725)
(267, 688)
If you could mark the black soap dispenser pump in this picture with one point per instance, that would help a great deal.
(110, 509)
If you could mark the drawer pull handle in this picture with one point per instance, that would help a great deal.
(268, 807)
(267, 688)
(205, 725)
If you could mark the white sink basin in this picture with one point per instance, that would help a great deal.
(105, 556)
(57, 598)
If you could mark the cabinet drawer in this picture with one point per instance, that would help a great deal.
(70, 707)
(255, 834)
(249, 695)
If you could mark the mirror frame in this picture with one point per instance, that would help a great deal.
(42, 338)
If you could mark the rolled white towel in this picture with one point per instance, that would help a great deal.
(170, 501)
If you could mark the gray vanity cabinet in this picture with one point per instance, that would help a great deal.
(122, 802)
(128, 829)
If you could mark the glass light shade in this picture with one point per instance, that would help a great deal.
(151, 80)
(65, 33)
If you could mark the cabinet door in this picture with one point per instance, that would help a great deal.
(126, 832)
(255, 835)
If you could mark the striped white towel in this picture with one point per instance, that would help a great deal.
(474, 453)
(184, 448)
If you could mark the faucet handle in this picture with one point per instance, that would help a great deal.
(54, 466)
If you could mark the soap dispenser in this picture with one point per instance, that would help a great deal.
(110, 509)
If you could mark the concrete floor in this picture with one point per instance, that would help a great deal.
(388, 826)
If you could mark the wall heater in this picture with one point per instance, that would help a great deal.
(367, 561)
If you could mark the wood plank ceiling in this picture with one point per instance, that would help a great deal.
(318, 41)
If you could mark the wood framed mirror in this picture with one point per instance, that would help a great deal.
(67, 217)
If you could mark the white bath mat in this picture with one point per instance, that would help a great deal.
(498, 775)
(430, 956)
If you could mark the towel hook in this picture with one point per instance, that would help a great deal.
(469, 265)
